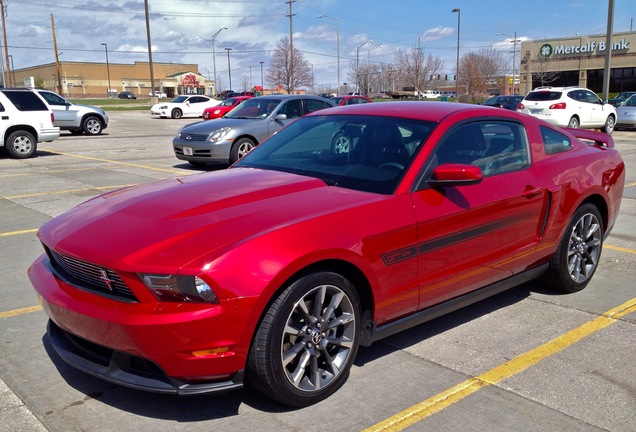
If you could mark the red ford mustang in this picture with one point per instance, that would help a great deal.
(347, 226)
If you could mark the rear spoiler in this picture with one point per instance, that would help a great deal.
(599, 139)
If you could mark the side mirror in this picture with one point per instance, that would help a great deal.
(451, 175)
(280, 117)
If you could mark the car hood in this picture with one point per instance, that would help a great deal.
(168, 224)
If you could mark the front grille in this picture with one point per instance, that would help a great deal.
(193, 137)
(90, 277)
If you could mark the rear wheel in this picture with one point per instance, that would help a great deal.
(577, 256)
(92, 126)
(610, 123)
(306, 343)
(241, 148)
(21, 145)
(573, 123)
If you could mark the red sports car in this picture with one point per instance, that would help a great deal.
(350, 100)
(224, 107)
(347, 226)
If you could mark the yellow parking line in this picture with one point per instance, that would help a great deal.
(100, 188)
(121, 163)
(434, 404)
(12, 233)
(630, 184)
(22, 311)
(619, 249)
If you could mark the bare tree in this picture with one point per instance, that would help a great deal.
(543, 70)
(417, 69)
(287, 72)
(479, 70)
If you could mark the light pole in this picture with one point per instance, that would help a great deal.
(262, 83)
(337, 47)
(514, 57)
(214, 56)
(358, 64)
(229, 68)
(108, 70)
(457, 63)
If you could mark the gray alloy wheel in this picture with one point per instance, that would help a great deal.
(176, 113)
(241, 148)
(579, 251)
(305, 345)
(92, 126)
(573, 123)
(341, 143)
(609, 125)
(21, 145)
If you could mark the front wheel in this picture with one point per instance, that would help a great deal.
(21, 145)
(608, 128)
(241, 148)
(578, 254)
(176, 113)
(306, 343)
(92, 126)
(573, 123)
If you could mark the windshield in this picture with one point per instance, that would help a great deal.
(254, 108)
(179, 99)
(357, 152)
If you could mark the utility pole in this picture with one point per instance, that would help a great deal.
(57, 59)
(6, 48)
(291, 47)
(154, 99)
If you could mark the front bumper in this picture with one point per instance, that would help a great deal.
(202, 151)
(163, 347)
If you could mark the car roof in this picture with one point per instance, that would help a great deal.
(288, 96)
(419, 110)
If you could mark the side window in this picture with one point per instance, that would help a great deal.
(555, 142)
(494, 146)
(591, 98)
(26, 101)
(315, 105)
(293, 109)
(53, 99)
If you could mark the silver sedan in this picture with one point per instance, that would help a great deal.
(626, 114)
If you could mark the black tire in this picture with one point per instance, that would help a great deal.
(240, 148)
(579, 251)
(308, 364)
(574, 122)
(609, 126)
(76, 131)
(92, 125)
(176, 113)
(21, 145)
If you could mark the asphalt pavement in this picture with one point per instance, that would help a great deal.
(527, 359)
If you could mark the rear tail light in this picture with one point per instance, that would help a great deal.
(560, 105)
(520, 106)
(52, 117)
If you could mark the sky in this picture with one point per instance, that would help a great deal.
(181, 31)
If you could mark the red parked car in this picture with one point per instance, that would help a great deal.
(347, 226)
(224, 107)
(350, 100)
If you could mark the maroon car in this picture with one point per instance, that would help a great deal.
(348, 225)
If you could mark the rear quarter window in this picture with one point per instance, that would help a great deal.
(555, 142)
(26, 101)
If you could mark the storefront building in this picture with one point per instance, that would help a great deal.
(91, 80)
(579, 61)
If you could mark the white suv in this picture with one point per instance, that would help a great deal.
(574, 107)
(25, 120)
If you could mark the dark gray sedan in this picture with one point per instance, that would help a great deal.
(227, 139)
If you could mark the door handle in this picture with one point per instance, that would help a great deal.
(531, 192)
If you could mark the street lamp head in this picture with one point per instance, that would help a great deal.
(105, 44)
(456, 10)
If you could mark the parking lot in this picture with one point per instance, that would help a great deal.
(527, 359)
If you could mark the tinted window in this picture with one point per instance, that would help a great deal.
(543, 96)
(494, 146)
(53, 99)
(26, 101)
(315, 105)
(555, 142)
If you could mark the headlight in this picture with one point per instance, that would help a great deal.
(179, 288)
(219, 134)
(163, 107)
(217, 111)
